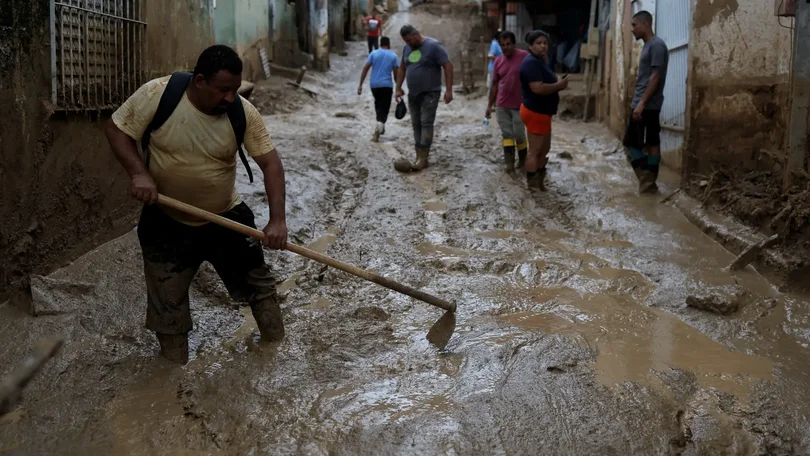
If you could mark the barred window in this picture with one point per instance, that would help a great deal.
(97, 52)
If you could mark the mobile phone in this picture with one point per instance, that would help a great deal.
(565, 76)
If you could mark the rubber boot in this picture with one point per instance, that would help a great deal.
(174, 347)
(533, 181)
(541, 179)
(509, 158)
(421, 158)
(268, 317)
(647, 182)
(382, 128)
(521, 159)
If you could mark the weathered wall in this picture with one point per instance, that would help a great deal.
(285, 34)
(245, 26)
(620, 71)
(61, 190)
(177, 32)
(337, 20)
(739, 64)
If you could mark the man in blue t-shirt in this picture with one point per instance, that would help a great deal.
(495, 51)
(423, 60)
(383, 64)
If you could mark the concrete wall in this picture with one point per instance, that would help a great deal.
(61, 190)
(245, 26)
(738, 81)
(177, 32)
(285, 34)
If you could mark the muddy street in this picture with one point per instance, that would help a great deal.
(574, 335)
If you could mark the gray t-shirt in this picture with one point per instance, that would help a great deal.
(423, 66)
(654, 56)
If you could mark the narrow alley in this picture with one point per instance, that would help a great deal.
(573, 335)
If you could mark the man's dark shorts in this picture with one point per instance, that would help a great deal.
(173, 252)
(644, 132)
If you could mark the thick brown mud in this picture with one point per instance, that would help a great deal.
(573, 334)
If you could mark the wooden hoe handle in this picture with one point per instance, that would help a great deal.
(309, 253)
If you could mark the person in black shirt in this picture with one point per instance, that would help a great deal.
(540, 88)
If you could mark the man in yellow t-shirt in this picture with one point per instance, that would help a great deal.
(193, 159)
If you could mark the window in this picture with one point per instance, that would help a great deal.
(97, 52)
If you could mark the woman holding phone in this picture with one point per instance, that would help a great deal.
(540, 91)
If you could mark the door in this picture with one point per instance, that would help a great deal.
(672, 26)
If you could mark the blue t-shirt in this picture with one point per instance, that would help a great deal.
(494, 49)
(383, 62)
(536, 70)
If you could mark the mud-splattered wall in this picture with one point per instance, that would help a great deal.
(739, 72)
(61, 190)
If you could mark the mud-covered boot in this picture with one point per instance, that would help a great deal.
(421, 158)
(532, 181)
(174, 347)
(647, 182)
(382, 128)
(509, 159)
(521, 159)
(267, 313)
(541, 179)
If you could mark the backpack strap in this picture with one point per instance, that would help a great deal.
(236, 114)
(178, 82)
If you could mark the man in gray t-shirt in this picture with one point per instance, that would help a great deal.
(643, 139)
(423, 59)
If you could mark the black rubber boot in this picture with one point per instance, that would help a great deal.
(541, 179)
(509, 158)
(521, 159)
(174, 347)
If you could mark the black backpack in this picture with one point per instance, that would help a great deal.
(171, 97)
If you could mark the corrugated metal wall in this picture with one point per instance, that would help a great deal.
(673, 24)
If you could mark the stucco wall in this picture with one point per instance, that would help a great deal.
(739, 65)
(177, 32)
(245, 26)
(61, 190)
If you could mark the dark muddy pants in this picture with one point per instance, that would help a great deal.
(173, 252)
(373, 43)
(423, 115)
(382, 102)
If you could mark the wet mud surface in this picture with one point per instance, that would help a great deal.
(574, 335)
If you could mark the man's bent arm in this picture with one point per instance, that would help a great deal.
(274, 185)
(125, 150)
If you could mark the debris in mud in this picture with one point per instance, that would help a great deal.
(51, 296)
(721, 304)
(372, 313)
(565, 155)
(345, 115)
(272, 96)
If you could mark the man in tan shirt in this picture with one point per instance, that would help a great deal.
(192, 157)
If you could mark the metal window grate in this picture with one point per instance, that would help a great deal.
(97, 52)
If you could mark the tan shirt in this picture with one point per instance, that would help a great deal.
(193, 155)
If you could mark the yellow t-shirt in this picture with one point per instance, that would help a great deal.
(193, 155)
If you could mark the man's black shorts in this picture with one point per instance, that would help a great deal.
(644, 132)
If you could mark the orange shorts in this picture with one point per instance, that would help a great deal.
(536, 123)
